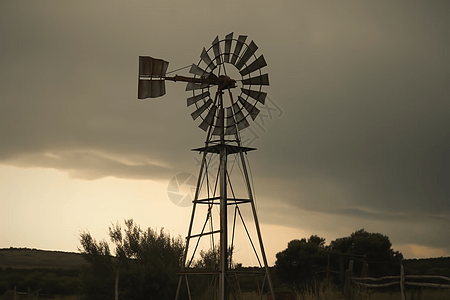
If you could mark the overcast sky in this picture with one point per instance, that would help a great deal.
(355, 133)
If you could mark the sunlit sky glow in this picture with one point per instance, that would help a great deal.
(359, 136)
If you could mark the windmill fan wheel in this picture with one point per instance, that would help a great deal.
(213, 79)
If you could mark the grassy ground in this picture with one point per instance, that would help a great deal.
(24, 297)
(327, 294)
(431, 294)
(32, 259)
(332, 294)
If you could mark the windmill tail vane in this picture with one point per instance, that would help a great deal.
(152, 77)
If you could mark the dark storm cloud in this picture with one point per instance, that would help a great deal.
(367, 122)
(69, 85)
(364, 136)
(371, 114)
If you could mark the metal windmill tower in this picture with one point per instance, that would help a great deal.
(223, 117)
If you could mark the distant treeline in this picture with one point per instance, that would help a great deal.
(428, 266)
(35, 249)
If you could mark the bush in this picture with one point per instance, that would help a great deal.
(145, 264)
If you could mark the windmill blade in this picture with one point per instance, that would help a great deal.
(151, 88)
(228, 40)
(230, 117)
(230, 123)
(258, 96)
(243, 124)
(208, 121)
(205, 57)
(196, 70)
(149, 66)
(240, 119)
(194, 99)
(252, 110)
(239, 43)
(218, 127)
(201, 109)
(256, 65)
(237, 112)
(216, 49)
(247, 54)
(217, 130)
(190, 86)
(258, 80)
(231, 130)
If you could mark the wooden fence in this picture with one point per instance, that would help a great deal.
(401, 281)
(15, 295)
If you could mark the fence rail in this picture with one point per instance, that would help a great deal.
(376, 285)
(395, 281)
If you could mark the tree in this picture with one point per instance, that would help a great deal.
(304, 260)
(144, 266)
(97, 277)
(374, 249)
(301, 261)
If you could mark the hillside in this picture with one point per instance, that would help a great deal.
(24, 258)
(428, 266)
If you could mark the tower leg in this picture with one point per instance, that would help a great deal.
(255, 217)
(223, 225)
(197, 193)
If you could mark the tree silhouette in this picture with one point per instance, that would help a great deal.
(300, 262)
(375, 249)
(305, 260)
(144, 266)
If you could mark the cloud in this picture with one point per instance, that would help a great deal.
(418, 251)
(93, 165)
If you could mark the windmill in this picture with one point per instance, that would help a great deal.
(223, 117)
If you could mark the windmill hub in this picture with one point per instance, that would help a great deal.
(225, 82)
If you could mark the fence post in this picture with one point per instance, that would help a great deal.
(364, 273)
(402, 282)
(349, 280)
(363, 266)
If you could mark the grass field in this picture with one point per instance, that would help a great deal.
(24, 297)
(34, 259)
(428, 294)
(333, 294)
(326, 294)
